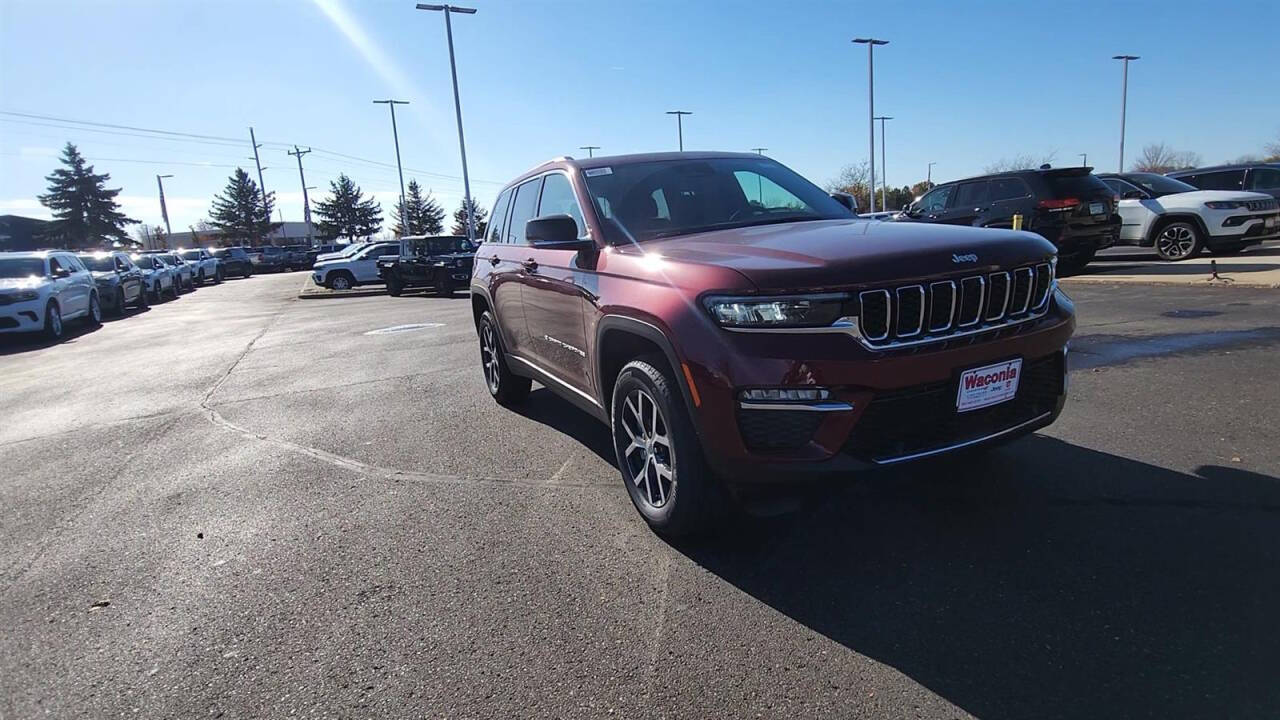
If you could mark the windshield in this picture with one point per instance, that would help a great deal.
(98, 263)
(1158, 185)
(191, 254)
(21, 267)
(664, 198)
(440, 246)
(145, 261)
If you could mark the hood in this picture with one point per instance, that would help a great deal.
(1203, 196)
(104, 275)
(23, 283)
(833, 254)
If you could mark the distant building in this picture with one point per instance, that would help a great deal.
(290, 233)
(21, 233)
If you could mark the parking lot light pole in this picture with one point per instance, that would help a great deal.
(1084, 159)
(589, 149)
(164, 211)
(928, 180)
(306, 202)
(395, 134)
(679, 125)
(871, 44)
(448, 10)
(1124, 102)
(884, 167)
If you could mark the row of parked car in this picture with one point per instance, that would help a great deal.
(41, 290)
(1222, 209)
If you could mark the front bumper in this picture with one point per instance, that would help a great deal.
(25, 316)
(1230, 227)
(318, 278)
(884, 407)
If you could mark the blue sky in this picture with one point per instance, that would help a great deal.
(968, 83)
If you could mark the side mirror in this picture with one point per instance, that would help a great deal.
(62, 273)
(556, 231)
(1132, 195)
(848, 201)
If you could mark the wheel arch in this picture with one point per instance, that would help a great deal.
(1164, 219)
(620, 339)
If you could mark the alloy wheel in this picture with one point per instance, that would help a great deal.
(1176, 241)
(55, 320)
(649, 459)
(95, 309)
(489, 357)
(341, 283)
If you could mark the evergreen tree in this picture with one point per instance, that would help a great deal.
(239, 213)
(422, 215)
(85, 212)
(346, 213)
(460, 219)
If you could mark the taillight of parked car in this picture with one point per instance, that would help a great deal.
(1058, 204)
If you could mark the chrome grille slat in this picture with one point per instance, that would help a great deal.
(909, 323)
(1040, 289)
(971, 287)
(1020, 295)
(936, 301)
(998, 283)
(869, 326)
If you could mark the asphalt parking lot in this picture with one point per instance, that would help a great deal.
(243, 504)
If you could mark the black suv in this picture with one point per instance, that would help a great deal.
(1067, 206)
(442, 263)
(234, 261)
(1256, 177)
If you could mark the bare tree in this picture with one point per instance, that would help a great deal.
(853, 179)
(1160, 158)
(1024, 161)
(1273, 149)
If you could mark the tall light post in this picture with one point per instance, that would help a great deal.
(1124, 102)
(395, 134)
(253, 140)
(164, 211)
(680, 124)
(589, 149)
(448, 10)
(884, 167)
(871, 44)
(929, 174)
(1084, 159)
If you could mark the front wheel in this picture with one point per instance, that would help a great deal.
(444, 288)
(118, 308)
(505, 386)
(341, 281)
(144, 302)
(658, 452)
(1178, 241)
(52, 321)
(217, 276)
(394, 288)
(94, 316)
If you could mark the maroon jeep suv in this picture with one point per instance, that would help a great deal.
(738, 328)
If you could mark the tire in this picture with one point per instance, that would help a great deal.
(143, 301)
(200, 278)
(156, 298)
(505, 386)
(93, 318)
(173, 290)
(340, 280)
(53, 329)
(444, 287)
(394, 288)
(1074, 263)
(217, 276)
(1178, 240)
(652, 431)
(118, 309)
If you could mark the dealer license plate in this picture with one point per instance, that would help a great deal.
(989, 385)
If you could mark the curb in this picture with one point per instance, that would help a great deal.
(311, 291)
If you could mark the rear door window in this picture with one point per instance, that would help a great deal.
(971, 194)
(1008, 189)
(523, 209)
(1264, 179)
(497, 221)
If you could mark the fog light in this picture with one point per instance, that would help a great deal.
(784, 394)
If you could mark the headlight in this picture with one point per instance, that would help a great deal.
(793, 311)
(1225, 204)
(25, 295)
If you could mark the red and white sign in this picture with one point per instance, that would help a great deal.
(990, 385)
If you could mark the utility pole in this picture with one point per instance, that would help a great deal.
(306, 203)
(164, 211)
(680, 124)
(589, 149)
(457, 107)
(1084, 159)
(871, 44)
(396, 134)
(1124, 102)
(929, 177)
(884, 167)
(266, 210)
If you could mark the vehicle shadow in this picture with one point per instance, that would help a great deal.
(1042, 580)
(549, 409)
(12, 344)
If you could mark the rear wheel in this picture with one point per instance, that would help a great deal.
(1178, 240)
(658, 452)
(505, 386)
(1075, 262)
(444, 288)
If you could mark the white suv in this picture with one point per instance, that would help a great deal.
(204, 264)
(1178, 220)
(39, 290)
(359, 268)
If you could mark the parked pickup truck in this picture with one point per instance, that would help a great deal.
(439, 262)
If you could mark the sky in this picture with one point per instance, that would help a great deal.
(966, 83)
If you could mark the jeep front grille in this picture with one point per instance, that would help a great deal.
(915, 314)
(1256, 205)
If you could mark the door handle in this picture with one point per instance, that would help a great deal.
(494, 260)
(531, 265)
